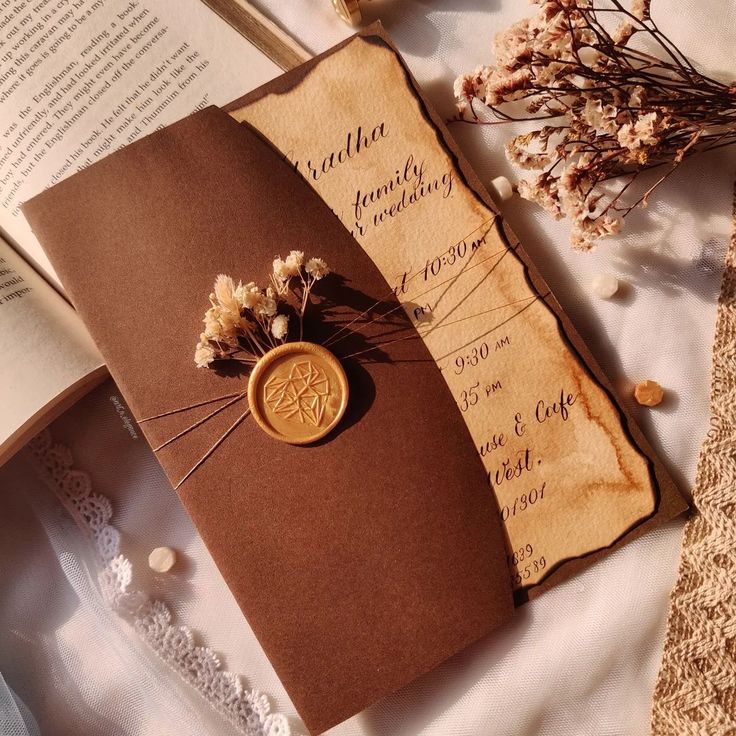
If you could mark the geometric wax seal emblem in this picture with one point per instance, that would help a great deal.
(298, 392)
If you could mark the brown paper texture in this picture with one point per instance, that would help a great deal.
(361, 561)
(572, 473)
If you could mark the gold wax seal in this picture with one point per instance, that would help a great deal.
(298, 392)
(348, 10)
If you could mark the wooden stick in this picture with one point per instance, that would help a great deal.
(263, 33)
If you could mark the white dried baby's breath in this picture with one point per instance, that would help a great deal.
(246, 319)
(294, 261)
(280, 326)
(317, 268)
(204, 354)
(280, 269)
(266, 306)
(247, 295)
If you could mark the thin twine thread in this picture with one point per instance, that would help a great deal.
(531, 300)
(411, 278)
(243, 416)
(534, 300)
(209, 452)
(201, 421)
(472, 291)
(186, 408)
(333, 341)
(235, 397)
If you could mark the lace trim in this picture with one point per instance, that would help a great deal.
(695, 693)
(249, 710)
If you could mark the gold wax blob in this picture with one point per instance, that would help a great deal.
(648, 393)
(298, 392)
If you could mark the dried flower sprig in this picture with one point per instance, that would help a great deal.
(615, 109)
(244, 322)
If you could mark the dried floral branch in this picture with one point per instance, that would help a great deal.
(615, 110)
(244, 322)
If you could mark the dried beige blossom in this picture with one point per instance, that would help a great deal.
(247, 295)
(212, 327)
(640, 133)
(280, 326)
(623, 33)
(543, 191)
(316, 268)
(266, 305)
(640, 8)
(204, 354)
(600, 117)
(280, 271)
(469, 86)
(611, 109)
(294, 261)
(222, 325)
(225, 294)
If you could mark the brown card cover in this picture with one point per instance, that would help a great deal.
(589, 481)
(360, 562)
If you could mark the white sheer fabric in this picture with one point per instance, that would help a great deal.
(580, 660)
(15, 718)
(73, 662)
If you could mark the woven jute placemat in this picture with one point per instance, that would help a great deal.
(696, 687)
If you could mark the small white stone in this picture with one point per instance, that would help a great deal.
(501, 189)
(162, 559)
(604, 286)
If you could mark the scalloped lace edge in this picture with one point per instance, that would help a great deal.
(247, 709)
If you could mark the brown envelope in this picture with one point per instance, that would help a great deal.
(625, 490)
(360, 562)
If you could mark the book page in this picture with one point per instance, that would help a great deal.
(80, 78)
(572, 474)
(47, 356)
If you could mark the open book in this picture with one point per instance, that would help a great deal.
(78, 80)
